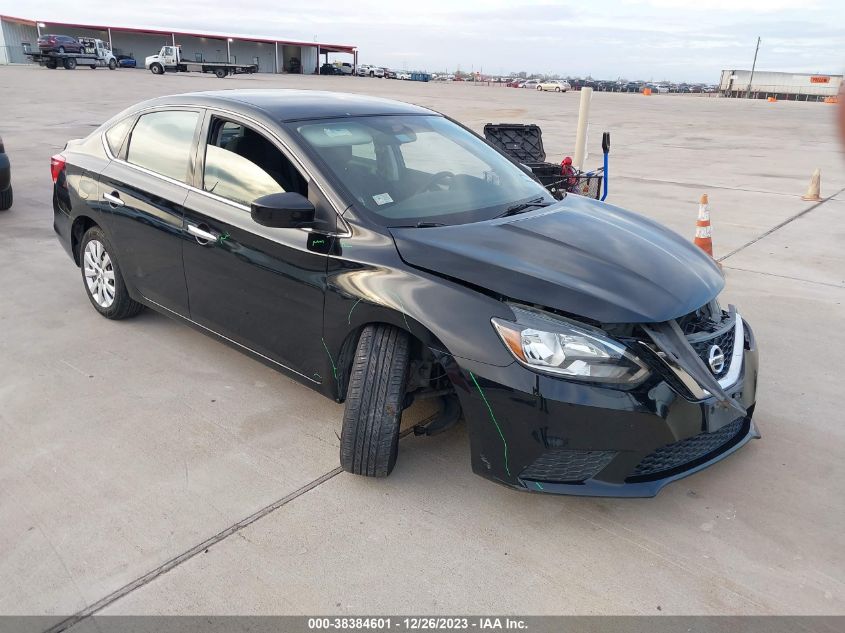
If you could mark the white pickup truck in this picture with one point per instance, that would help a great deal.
(365, 70)
(169, 59)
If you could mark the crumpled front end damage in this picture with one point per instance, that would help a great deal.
(545, 434)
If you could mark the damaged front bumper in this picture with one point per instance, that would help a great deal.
(545, 434)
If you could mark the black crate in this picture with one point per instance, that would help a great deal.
(520, 141)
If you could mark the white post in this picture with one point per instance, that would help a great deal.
(110, 46)
(173, 39)
(228, 50)
(581, 134)
(277, 58)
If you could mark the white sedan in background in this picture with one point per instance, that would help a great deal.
(554, 85)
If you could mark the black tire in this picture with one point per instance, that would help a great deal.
(93, 67)
(6, 198)
(220, 73)
(370, 438)
(70, 63)
(52, 65)
(123, 305)
(112, 64)
(157, 69)
(557, 89)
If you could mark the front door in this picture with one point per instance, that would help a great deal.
(260, 287)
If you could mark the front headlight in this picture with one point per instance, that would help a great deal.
(547, 343)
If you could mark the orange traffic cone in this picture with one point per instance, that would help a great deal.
(703, 232)
(814, 189)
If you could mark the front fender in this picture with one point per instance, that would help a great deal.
(367, 282)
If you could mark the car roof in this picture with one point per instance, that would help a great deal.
(296, 105)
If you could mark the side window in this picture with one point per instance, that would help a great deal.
(161, 142)
(242, 165)
(116, 133)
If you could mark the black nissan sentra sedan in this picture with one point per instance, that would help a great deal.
(381, 253)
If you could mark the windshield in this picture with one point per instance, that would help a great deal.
(409, 170)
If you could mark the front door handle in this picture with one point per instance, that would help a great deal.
(203, 236)
(113, 199)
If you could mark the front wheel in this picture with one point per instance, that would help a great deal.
(557, 89)
(112, 64)
(369, 441)
(539, 88)
(93, 66)
(156, 69)
(102, 278)
(220, 72)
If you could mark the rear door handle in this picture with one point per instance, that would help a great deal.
(202, 235)
(113, 199)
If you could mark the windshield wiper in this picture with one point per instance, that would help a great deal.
(419, 225)
(524, 206)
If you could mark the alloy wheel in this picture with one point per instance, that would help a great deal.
(99, 273)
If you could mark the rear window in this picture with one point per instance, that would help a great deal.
(162, 141)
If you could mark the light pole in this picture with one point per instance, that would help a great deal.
(39, 26)
(229, 50)
(753, 66)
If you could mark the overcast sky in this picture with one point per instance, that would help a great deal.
(634, 39)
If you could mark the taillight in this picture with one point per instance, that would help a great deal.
(57, 166)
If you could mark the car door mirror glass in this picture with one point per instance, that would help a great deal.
(283, 211)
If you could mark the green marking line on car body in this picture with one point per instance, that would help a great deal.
(331, 360)
(349, 316)
(493, 417)
(404, 316)
(539, 486)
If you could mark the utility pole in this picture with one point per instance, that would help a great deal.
(753, 67)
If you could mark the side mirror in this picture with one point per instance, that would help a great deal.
(283, 211)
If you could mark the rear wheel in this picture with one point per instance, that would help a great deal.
(102, 278)
(370, 438)
(52, 65)
(220, 72)
(557, 89)
(70, 63)
(156, 69)
(93, 66)
(539, 87)
(6, 198)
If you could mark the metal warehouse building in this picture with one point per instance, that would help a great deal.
(787, 86)
(271, 55)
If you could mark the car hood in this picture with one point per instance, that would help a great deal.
(579, 256)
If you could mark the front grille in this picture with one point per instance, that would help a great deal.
(567, 466)
(687, 452)
(725, 341)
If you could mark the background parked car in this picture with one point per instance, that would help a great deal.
(330, 69)
(5, 179)
(403, 75)
(126, 61)
(59, 44)
(531, 84)
(345, 68)
(554, 85)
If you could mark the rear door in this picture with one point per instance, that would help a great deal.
(260, 287)
(144, 190)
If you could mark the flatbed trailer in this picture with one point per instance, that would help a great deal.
(169, 60)
(98, 57)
